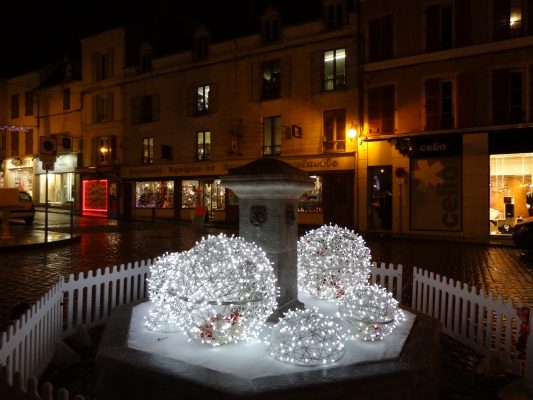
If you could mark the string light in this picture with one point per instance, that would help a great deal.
(220, 291)
(305, 337)
(331, 260)
(14, 128)
(371, 311)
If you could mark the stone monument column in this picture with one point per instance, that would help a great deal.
(268, 191)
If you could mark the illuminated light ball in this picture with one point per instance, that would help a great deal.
(163, 294)
(305, 337)
(371, 311)
(226, 290)
(332, 260)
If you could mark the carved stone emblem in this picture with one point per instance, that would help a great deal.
(290, 216)
(258, 215)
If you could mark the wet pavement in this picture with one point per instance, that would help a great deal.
(27, 272)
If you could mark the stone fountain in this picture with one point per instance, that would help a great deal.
(135, 363)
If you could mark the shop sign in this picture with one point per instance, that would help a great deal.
(436, 146)
(20, 163)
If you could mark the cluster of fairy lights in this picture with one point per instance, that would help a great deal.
(332, 259)
(224, 289)
(220, 291)
(13, 128)
(306, 337)
(371, 311)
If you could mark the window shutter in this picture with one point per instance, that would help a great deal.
(95, 108)
(94, 63)
(155, 107)
(136, 110)
(387, 124)
(113, 146)
(500, 97)
(466, 99)
(256, 82)
(286, 77)
(351, 68)
(213, 98)
(432, 92)
(94, 150)
(463, 22)
(109, 64)
(191, 101)
(531, 92)
(433, 27)
(501, 14)
(109, 107)
(529, 22)
(374, 110)
(317, 74)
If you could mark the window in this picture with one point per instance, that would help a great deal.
(271, 80)
(146, 54)
(66, 99)
(381, 109)
(201, 46)
(508, 18)
(145, 109)
(508, 96)
(380, 38)
(103, 107)
(271, 28)
(105, 149)
(201, 100)
(439, 27)
(103, 65)
(28, 99)
(14, 143)
(148, 150)
(166, 152)
(272, 136)
(14, 106)
(334, 69)
(207, 193)
(439, 104)
(203, 145)
(28, 142)
(335, 14)
(154, 194)
(334, 130)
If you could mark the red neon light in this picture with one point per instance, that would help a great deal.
(94, 195)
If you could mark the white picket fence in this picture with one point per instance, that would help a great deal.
(478, 320)
(482, 321)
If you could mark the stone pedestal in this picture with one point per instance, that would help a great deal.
(268, 191)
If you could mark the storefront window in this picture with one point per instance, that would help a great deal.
(311, 201)
(511, 191)
(59, 187)
(210, 194)
(154, 194)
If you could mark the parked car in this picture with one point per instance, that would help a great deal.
(523, 234)
(25, 210)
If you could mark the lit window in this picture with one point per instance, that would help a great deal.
(271, 80)
(203, 148)
(334, 69)
(105, 149)
(148, 150)
(334, 130)
(272, 136)
(154, 194)
(515, 19)
(202, 99)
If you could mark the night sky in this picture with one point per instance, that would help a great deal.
(35, 32)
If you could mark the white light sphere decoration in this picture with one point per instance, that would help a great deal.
(225, 290)
(163, 294)
(371, 311)
(331, 260)
(306, 337)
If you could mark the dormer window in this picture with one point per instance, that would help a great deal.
(271, 26)
(201, 43)
(334, 14)
(146, 54)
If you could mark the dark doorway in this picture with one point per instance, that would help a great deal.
(127, 201)
(380, 197)
(337, 198)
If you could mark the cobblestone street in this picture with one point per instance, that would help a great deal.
(26, 274)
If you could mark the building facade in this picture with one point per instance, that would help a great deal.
(447, 117)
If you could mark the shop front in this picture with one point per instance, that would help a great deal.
(181, 191)
(20, 174)
(511, 180)
(99, 194)
(61, 181)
